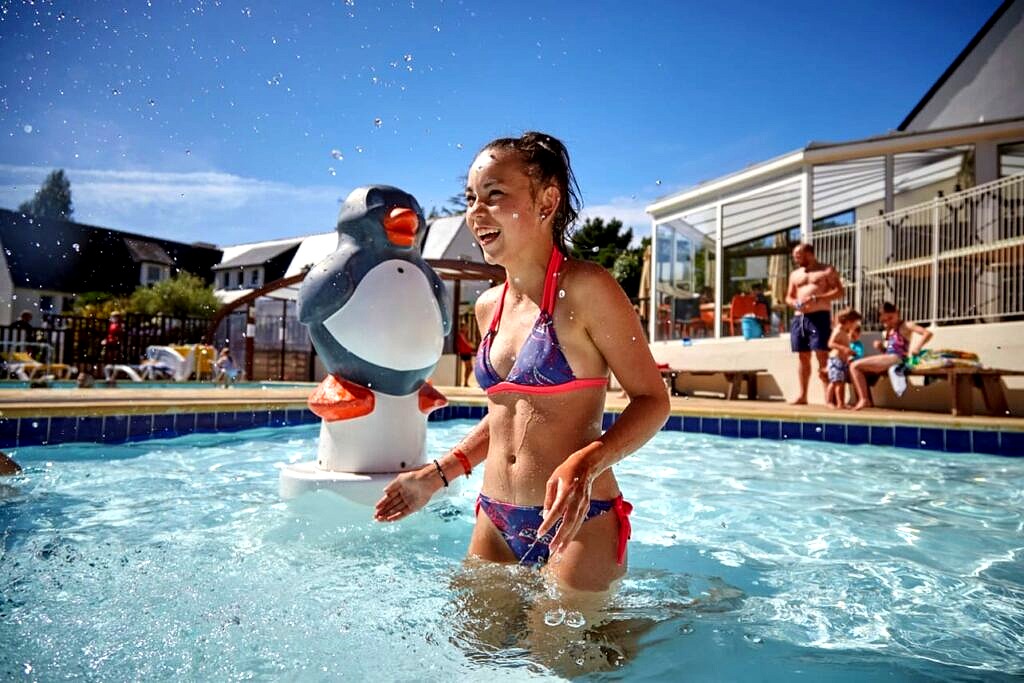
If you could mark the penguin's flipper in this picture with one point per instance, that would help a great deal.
(338, 399)
(431, 399)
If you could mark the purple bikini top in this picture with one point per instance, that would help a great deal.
(540, 367)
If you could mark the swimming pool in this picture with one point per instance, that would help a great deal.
(174, 558)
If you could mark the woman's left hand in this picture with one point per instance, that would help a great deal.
(567, 497)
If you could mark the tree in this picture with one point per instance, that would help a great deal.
(600, 242)
(628, 267)
(52, 200)
(99, 304)
(183, 296)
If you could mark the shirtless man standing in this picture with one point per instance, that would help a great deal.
(812, 288)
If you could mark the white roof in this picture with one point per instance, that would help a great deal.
(441, 234)
(765, 198)
(312, 251)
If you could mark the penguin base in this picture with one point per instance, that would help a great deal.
(364, 489)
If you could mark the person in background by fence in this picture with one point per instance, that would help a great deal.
(466, 352)
(812, 288)
(225, 370)
(23, 331)
(112, 342)
(840, 356)
(898, 343)
(24, 322)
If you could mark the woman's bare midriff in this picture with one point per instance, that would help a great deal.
(531, 435)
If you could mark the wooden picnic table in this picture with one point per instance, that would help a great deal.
(961, 379)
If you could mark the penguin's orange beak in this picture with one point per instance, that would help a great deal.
(401, 225)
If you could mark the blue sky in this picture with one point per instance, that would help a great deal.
(217, 121)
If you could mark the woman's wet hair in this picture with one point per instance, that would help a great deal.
(547, 160)
(887, 307)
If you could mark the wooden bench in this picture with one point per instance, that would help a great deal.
(961, 379)
(733, 377)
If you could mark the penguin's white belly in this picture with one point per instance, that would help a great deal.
(390, 439)
(392, 318)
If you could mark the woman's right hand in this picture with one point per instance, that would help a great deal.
(407, 493)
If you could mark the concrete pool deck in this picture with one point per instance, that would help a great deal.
(127, 400)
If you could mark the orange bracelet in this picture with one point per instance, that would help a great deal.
(461, 457)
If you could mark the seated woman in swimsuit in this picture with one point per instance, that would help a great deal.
(551, 334)
(897, 343)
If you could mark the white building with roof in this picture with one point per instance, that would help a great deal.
(929, 216)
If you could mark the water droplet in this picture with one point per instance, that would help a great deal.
(561, 294)
(595, 249)
(188, 152)
(515, 216)
(330, 169)
(657, 182)
(817, 429)
(686, 629)
(152, 103)
(437, 29)
(34, 425)
(350, 3)
(115, 92)
(378, 123)
(336, 153)
(27, 128)
(554, 617)
(575, 620)
(76, 247)
(458, 145)
(756, 640)
(631, 338)
(247, 11)
(407, 58)
(359, 149)
(275, 79)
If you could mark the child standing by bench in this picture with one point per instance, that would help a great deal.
(840, 356)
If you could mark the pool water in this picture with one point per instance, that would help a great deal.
(752, 560)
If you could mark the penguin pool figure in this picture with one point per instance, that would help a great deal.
(377, 315)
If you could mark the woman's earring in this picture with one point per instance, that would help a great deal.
(543, 215)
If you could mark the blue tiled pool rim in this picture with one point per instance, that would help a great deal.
(36, 431)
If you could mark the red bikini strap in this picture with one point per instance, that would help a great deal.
(496, 318)
(622, 510)
(551, 281)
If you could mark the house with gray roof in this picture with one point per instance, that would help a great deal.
(45, 263)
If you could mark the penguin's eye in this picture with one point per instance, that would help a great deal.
(374, 199)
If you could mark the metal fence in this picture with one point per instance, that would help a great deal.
(955, 259)
(76, 340)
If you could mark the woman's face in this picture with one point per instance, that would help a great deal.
(504, 208)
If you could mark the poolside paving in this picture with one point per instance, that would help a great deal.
(22, 402)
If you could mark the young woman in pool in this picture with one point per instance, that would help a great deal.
(550, 335)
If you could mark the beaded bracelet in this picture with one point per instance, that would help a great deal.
(441, 472)
(461, 457)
